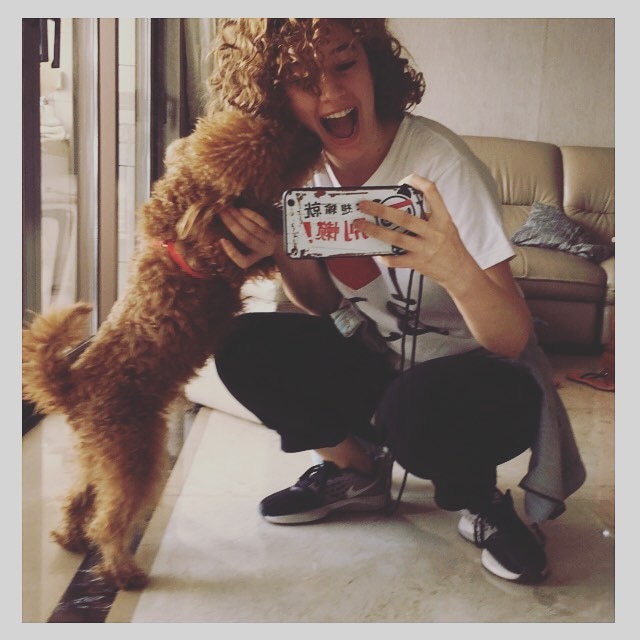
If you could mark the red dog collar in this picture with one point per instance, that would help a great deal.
(180, 261)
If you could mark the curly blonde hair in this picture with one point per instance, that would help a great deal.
(255, 57)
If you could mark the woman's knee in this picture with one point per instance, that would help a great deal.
(267, 344)
(239, 348)
(459, 407)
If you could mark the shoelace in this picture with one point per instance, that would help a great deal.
(501, 517)
(393, 506)
(481, 525)
(318, 475)
(504, 520)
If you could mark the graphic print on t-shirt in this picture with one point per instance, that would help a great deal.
(354, 272)
(357, 272)
(408, 311)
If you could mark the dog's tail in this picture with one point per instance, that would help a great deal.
(46, 367)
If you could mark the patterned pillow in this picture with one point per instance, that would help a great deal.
(550, 228)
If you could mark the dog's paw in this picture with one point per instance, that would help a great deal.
(77, 543)
(131, 578)
(133, 581)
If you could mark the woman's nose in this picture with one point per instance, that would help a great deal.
(329, 87)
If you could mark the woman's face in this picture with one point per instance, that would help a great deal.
(340, 109)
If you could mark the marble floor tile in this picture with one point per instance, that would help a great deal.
(212, 559)
(47, 460)
(218, 561)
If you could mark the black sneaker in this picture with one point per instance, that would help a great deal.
(510, 550)
(325, 488)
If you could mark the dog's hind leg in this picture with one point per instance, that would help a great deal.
(114, 540)
(77, 510)
(127, 490)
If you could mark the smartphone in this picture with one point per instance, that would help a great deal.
(318, 222)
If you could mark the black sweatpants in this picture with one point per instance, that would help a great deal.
(451, 420)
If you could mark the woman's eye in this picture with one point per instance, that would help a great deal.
(345, 66)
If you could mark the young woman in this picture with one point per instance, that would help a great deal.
(338, 379)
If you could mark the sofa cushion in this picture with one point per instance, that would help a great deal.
(556, 275)
(514, 216)
(524, 171)
(549, 228)
(589, 192)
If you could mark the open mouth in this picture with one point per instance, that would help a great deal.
(341, 124)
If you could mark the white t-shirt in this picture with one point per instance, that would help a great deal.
(428, 149)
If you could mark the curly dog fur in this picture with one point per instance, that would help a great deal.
(117, 393)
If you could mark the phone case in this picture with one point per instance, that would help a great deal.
(318, 222)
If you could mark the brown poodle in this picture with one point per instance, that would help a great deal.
(182, 295)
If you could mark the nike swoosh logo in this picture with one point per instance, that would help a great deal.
(352, 493)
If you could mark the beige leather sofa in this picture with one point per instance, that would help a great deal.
(570, 296)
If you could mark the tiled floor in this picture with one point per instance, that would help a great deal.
(213, 559)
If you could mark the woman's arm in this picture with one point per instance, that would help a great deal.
(493, 308)
(488, 300)
(306, 282)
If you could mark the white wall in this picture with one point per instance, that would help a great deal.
(530, 78)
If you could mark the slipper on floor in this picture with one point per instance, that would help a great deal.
(600, 380)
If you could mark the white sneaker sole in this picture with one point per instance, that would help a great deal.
(465, 529)
(465, 526)
(493, 566)
(371, 503)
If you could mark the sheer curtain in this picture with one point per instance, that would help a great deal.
(198, 36)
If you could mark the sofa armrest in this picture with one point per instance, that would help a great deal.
(609, 267)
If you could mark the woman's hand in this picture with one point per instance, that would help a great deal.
(489, 300)
(253, 231)
(434, 247)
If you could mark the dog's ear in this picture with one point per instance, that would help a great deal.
(197, 215)
(175, 152)
(177, 156)
(237, 152)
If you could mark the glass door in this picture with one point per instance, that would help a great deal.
(86, 117)
(60, 162)
(59, 170)
(86, 132)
